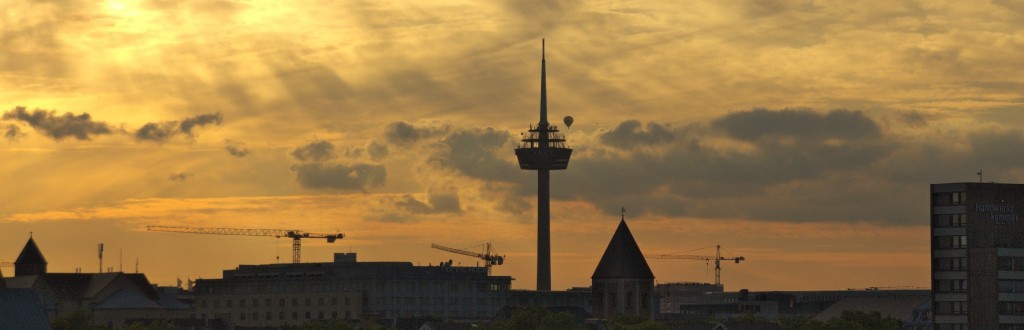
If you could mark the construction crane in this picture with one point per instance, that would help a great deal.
(717, 258)
(487, 255)
(295, 235)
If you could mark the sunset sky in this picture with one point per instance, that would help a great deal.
(801, 135)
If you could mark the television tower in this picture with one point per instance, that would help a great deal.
(543, 150)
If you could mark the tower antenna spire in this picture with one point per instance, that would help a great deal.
(543, 87)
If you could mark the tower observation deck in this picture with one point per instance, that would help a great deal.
(543, 150)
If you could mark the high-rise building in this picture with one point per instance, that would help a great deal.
(977, 256)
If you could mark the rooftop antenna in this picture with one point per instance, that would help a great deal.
(100, 247)
(120, 266)
(136, 265)
(980, 178)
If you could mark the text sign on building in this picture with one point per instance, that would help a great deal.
(1000, 214)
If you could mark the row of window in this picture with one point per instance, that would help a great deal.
(951, 307)
(268, 316)
(950, 263)
(950, 286)
(1011, 307)
(1011, 263)
(1011, 286)
(950, 242)
(954, 198)
(950, 220)
(323, 287)
(946, 326)
(281, 302)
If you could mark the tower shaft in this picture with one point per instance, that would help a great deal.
(543, 230)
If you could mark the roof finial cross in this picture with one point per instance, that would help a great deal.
(623, 213)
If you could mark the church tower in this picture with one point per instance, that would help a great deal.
(30, 261)
(623, 282)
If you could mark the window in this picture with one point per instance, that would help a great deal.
(952, 263)
(950, 286)
(281, 302)
(960, 242)
(1011, 286)
(334, 301)
(309, 301)
(951, 307)
(307, 315)
(959, 220)
(241, 316)
(1011, 308)
(295, 315)
(320, 315)
(320, 301)
(950, 242)
(959, 198)
(229, 303)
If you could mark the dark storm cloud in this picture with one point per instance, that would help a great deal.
(201, 120)
(483, 154)
(631, 133)
(339, 176)
(179, 176)
(913, 118)
(157, 132)
(316, 151)
(404, 134)
(13, 132)
(797, 123)
(439, 202)
(81, 127)
(164, 131)
(376, 150)
(236, 148)
(693, 174)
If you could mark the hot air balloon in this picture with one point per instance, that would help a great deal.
(568, 121)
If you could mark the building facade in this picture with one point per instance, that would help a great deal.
(293, 294)
(977, 256)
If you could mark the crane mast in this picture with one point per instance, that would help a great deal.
(295, 235)
(488, 256)
(717, 258)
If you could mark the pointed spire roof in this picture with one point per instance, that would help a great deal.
(622, 258)
(30, 254)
